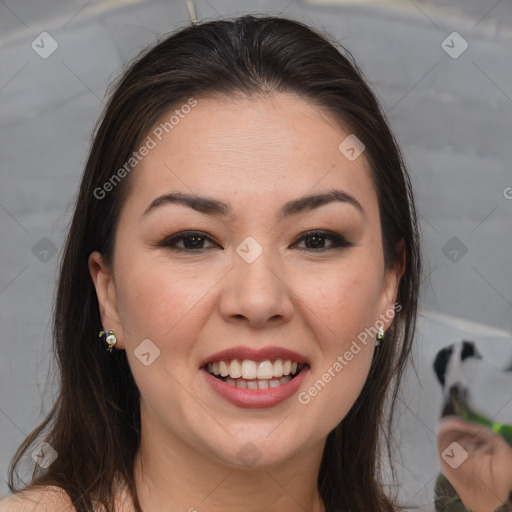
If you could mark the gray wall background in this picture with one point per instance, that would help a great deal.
(452, 117)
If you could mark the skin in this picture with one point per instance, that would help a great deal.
(484, 479)
(254, 155)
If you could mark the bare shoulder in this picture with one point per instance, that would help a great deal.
(47, 499)
(55, 499)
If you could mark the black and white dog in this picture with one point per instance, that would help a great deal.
(467, 378)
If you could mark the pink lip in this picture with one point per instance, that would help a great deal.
(254, 354)
(256, 398)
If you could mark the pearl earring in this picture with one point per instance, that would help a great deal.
(110, 339)
(380, 336)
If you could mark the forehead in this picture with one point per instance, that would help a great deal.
(268, 148)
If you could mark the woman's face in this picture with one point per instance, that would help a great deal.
(251, 282)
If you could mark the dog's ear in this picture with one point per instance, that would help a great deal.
(469, 350)
(441, 362)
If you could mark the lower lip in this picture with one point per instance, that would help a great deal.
(256, 398)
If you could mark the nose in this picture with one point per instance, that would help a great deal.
(257, 293)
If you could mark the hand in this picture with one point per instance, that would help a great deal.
(484, 480)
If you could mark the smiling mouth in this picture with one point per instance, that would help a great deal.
(248, 374)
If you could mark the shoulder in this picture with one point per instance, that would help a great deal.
(44, 499)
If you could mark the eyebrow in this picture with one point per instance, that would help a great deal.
(210, 206)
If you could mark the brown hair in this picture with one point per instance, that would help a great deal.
(95, 423)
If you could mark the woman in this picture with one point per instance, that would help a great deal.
(245, 243)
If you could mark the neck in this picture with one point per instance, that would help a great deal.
(173, 475)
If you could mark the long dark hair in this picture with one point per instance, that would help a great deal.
(95, 423)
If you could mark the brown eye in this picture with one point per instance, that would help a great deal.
(193, 241)
(315, 241)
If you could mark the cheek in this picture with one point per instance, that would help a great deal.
(163, 305)
(347, 385)
(345, 298)
(348, 307)
(158, 302)
(336, 385)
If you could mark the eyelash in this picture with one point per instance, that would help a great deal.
(339, 242)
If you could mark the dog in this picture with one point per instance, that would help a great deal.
(469, 383)
(476, 391)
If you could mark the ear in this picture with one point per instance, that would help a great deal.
(390, 287)
(103, 280)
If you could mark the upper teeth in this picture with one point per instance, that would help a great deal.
(249, 369)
